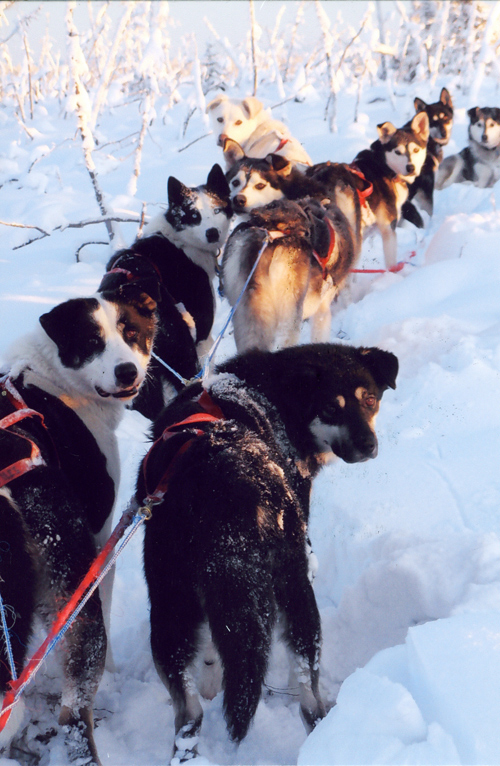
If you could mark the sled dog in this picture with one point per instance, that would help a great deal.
(60, 404)
(181, 247)
(254, 183)
(391, 163)
(479, 162)
(225, 552)
(250, 125)
(440, 116)
(301, 253)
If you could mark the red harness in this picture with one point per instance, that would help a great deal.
(362, 194)
(21, 411)
(211, 413)
(323, 259)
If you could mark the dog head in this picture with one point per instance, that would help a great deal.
(254, 182)
(200, 213)
(234, 118)
(405, 148)
(327, 394)
(103, 343)
(484, 126)
(346, 399)
(440, 116)
(129, 274)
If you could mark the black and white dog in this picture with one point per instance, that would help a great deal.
(479, 162)
(67, 387)
(227, 546)
(181, 246)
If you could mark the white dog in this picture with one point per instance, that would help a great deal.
(252, 127)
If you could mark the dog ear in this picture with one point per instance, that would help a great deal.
(280, 164)
(385, 131)
(217, 183)
(496, 113)
(420, 106)
(232, 152)
(252, 106)
(420, 125)
(177, 192)
(216, 101)
(143, 302)
(473, 114)
(62, 325)
(445, 98)
(382, 365)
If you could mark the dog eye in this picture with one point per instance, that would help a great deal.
(260, 186)
(238, 122)
(220, 119)
(235, 184)
(217, 210)
(130, 333)
(417, 150)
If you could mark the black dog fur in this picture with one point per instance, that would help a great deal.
(227, 545)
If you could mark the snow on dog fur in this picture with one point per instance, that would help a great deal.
(251, 126)
(227, 546)
(75, 372)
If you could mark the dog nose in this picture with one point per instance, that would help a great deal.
(212, 235)
(368, 445)
(125, 373)
(239, 201)
(221, 139)
(410, 168)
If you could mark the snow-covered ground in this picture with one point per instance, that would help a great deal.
(408, 544)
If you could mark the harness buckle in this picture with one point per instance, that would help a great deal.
(146, 510)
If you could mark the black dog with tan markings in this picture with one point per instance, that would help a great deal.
(225, 552)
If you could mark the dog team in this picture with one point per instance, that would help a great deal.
(226, 552)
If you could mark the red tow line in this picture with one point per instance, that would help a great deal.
(392, 270)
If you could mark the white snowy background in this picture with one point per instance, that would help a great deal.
(408, 544)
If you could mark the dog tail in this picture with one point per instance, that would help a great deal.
(241, 615)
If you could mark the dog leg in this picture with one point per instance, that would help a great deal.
(390, 245)
(67, 548)
(302, 634)
(321, 322)
(78, 727)
(254, 326)
(17, 585)
(176, 618)
(449, 172)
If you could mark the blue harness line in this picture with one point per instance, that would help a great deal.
(8, 645)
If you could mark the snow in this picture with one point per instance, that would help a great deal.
(408, 545)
